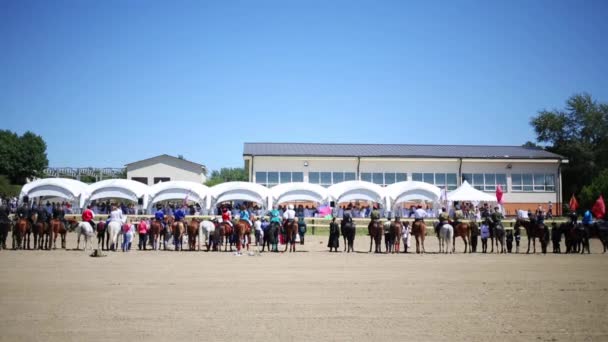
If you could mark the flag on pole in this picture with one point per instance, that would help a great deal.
(573, 203)
(499, 194)
(599, 208)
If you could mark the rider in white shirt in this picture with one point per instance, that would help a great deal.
(289, 214)
(420, 214)
(116, 215)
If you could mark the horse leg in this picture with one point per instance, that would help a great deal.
(371, 238)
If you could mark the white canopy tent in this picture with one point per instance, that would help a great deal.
(468, 193)
(177, 190)
(117, 188)
(237, 191)
(401, 192)
(357, 191)
(69, 189)
(291, 192)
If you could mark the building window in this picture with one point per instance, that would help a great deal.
(378, 178)
(274, 178)
(441, 180)
(338, 177)
(486, 181)
(161, 179)
(349, 176)
(140, 179)
(329, 178)
(384, 179)
(313, 177)
(366, 176)
(537, 182)
(326, 178)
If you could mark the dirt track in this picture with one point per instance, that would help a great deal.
(309, 295)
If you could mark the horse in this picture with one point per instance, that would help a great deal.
(37, 230)
(291, 230)
(58, 228)
(462, 229)
(103, 238)
(193, 233)
(84, 228)
(167, 230)
(178, 234)
(20, 234)
(348, 232)
(419, 232)
(375, 230)
(534, 231)
(113, 229)
(46, 236)
(210, 233)
(599, 230)
(242, 229)
(155, 229)
(497, 231)
(5, 227)
(271, 237)
(446, 235)
(395, 232)
(226, 232)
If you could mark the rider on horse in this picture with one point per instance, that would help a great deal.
(226, 216)
(587, 219)
(444, 218)
(458, 215)
(496, 218)
(88, 215)
(275, 217)
(159, 216)
(179, 215)
(24, 213)
(244, 215)
(573, 217)
(419, 214)
(288, 216)
(59, 213)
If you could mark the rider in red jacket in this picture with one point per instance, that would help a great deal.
(88, 215)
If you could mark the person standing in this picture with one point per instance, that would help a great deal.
(127, 236)
(550, 210)
(406, 236)
(301, 229)
(257, 224)
(142, 229)
(334, 236)
(485, 234)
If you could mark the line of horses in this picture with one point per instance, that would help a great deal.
(43, 235)
(576, 236)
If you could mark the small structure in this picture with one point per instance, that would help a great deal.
(166, 168)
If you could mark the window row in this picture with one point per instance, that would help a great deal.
(441, 180)
(383, 178)
(273, 178)
(486, 181)
(329, 178)
(532, 182)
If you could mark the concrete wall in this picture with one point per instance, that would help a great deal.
(165, 169)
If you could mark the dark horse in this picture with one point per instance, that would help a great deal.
(534, 231)
(291, 230)
(375, 230)
(348, 228)
(599, 229)
(103, 238)
(192, 233)
(271, 237)
(20, 234)
(5, 227)
(58, 229)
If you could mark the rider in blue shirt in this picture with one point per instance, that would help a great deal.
(159, 215)
(179, 215)
(244, 215)
(587, 218)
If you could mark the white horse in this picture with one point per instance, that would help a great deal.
(205, 229)
(446, 234)
(84, 228)
(113, 231)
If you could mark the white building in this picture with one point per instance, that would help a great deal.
(528, 177)
(166, 168)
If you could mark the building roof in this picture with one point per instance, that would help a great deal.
(165, 156)
(396, 150)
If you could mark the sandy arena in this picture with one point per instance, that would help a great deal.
(310, 295)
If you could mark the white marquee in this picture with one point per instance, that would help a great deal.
(401, 192)
(117, 188)
(300, 191)
(68, 189)
(177, 190)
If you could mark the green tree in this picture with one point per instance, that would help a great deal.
(226, 174)
(580, 133)
(590, 193)
(22, 157)
(7, 189)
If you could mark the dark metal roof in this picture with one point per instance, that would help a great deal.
(166, 156)
(396, 150)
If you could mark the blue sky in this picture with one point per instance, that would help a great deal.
(110, 82)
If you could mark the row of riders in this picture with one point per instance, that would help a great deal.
(576, 234)
(46, 228)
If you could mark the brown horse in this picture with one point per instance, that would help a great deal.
(242, 229)
(291, 229)
(168, 231)
(20, 234)
(395, 232)
(462, 229)
(58, 228)
(192, 233)
(419, 232)
(178, 234)
(226, 231)
(375, 230)
(37, 230)
(155, 229)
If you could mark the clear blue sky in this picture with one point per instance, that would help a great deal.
(110, 82)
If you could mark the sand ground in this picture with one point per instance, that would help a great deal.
(310, 295)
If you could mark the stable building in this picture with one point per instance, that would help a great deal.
(165, 168)
(528, 176)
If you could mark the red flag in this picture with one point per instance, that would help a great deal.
(499, 194)
(599, 208)
(573, 203)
